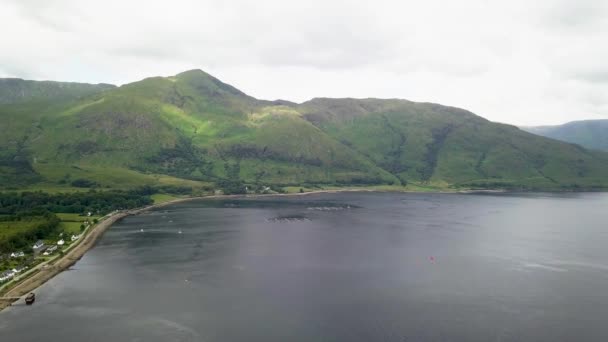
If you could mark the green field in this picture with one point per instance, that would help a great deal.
(162, 198)
(70, 217)
(11, 228)
(70, 227)
(70, 222)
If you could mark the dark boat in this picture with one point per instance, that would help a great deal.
(30, 298)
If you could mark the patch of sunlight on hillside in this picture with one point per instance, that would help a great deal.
(267, 113)
(79, 108)
(186, 123)
(106, 177)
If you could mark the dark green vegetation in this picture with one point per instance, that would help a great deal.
(29, 216)
(20, 232)
(592, 134)
(99, 202)
(196, 132)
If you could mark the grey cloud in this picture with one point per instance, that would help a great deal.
(593, 76)
(328, 51)
(14, 70)
(145, 51)
(570, 14)
(52, 14)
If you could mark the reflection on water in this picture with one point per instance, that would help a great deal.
(338, 267)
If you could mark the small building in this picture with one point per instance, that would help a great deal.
(19, 269)
(7, 275)
(17, 254)
(60, 242)
(50, 250)
(38, 245)
(75, 237)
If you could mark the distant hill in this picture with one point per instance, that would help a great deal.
(16, 90)
(591, 134)
(192, 129)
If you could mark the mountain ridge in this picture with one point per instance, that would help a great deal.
(17, 90)
(591, 134)
(192, 128)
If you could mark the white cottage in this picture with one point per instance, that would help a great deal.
(17, 254)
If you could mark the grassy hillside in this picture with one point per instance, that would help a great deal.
(430, 143)
(591, 134)
(193, 130)
(16, 90)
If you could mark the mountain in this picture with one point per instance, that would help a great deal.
(591, 134)
(16, 90)
(192, 129)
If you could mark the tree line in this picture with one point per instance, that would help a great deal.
(42, 206)
(99, 202)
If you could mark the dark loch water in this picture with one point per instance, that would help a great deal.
(338, 267)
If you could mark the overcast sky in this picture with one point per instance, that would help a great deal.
(519, 61)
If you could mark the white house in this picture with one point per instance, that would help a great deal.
(39, 246)
(60, 242)
(50, 250)
(75, 237)
(6, 275)
(17, 254)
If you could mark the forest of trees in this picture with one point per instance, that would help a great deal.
(40, 208)
(48, 224)
(99, 202)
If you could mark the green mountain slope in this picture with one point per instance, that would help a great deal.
(591, 134)
(192, 129)
(16, 90)
(190, 126)
(433, 143)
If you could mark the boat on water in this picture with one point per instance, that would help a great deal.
(30, 298)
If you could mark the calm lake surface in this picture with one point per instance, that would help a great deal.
(338, 267)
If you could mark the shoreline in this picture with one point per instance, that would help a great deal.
(46, 271)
